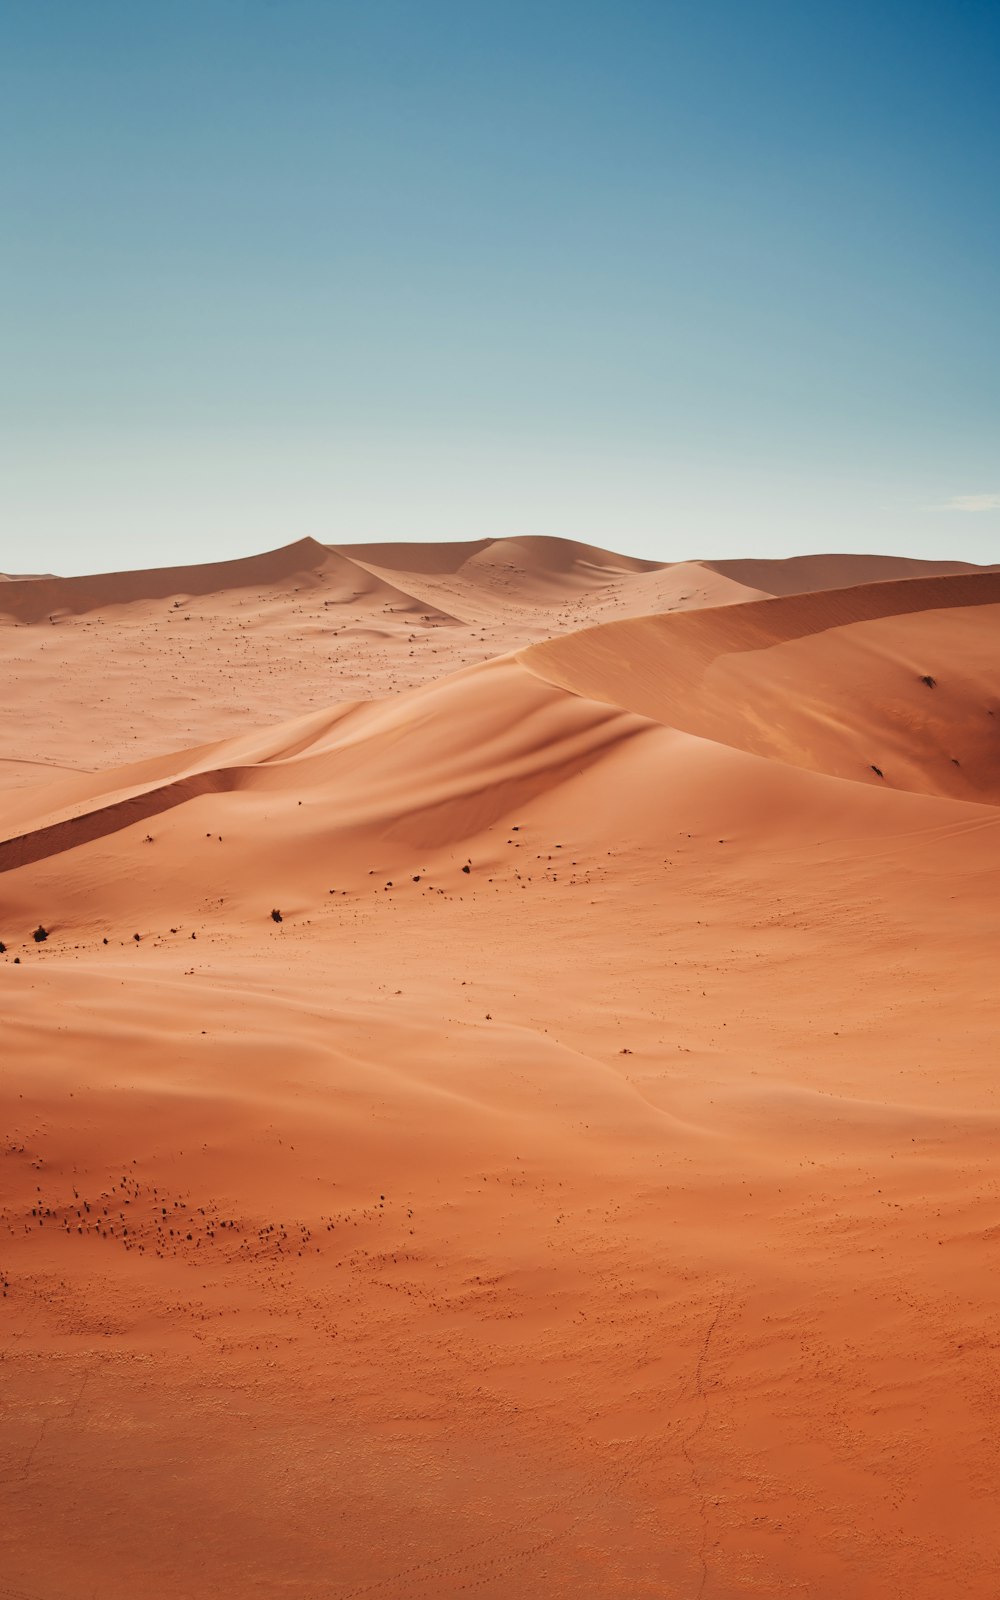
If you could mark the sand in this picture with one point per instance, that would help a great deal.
(587, 1184)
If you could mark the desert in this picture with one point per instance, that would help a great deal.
(499, 1076)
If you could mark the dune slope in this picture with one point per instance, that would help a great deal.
(534, 1132)
(113, 669)
(303, 563)
(893, 683)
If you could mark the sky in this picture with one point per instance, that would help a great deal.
(681, 279)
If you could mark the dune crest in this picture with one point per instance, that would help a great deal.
(893, 683)
(304, 563)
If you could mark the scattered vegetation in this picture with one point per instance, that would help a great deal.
(40, 934)
(276, 916)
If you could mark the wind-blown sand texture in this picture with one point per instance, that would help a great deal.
(587, 1184)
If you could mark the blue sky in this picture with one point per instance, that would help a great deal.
(681, 279)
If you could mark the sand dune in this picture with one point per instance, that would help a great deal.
(801, 574)
(504, 579)
(536, 557)
(265, 639)
(345, 573)
(891, 683)
(303, 563)
(586, 1184)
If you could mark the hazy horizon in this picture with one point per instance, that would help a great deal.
(648, 554)
(676, 282)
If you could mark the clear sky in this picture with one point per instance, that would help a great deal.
(711, 278)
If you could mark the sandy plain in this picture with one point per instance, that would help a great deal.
(590, 1185)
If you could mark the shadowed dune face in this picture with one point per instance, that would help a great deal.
(895, 684)
(303, 564)
(440, 761)
(527, 1129)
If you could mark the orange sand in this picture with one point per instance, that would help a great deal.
(615, 1218)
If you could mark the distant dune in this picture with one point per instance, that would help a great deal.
(530, 557)
(499, 1077)
(802, 574)
(304, 563)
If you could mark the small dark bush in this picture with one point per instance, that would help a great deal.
(276, 916)
(40, 934)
